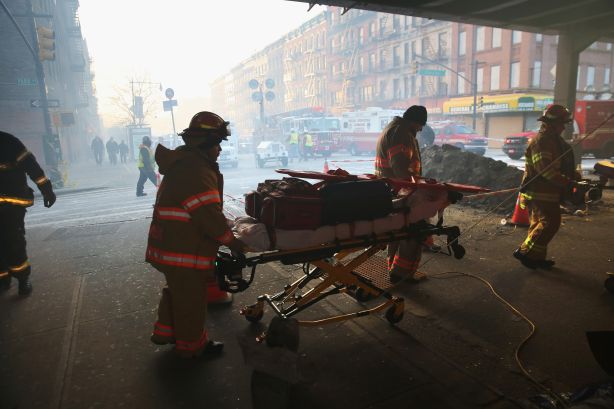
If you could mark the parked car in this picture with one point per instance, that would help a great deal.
(588, 116)
(228, 156)
(459, 135)
(271, 151)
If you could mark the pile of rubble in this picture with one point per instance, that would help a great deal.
(450, 164)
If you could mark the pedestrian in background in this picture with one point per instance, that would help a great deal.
(308, 145)
(146, 166)
(123, 151)
(15, 196)
(112, 151)
(293, 145)
(98, 149)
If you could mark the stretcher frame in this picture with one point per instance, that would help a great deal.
(336, 271)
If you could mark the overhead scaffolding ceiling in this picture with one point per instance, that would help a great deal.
(543, 16)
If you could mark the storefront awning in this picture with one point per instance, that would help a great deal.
(497, 103)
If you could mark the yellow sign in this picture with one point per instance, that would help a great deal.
(497, 103)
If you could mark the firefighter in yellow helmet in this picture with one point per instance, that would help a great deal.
(549, 174)
(187, 228)
(398, 156)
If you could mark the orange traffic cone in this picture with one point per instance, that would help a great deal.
(325, 165)
(521, 213)
(217, 296)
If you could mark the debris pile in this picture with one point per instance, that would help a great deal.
(450, 164)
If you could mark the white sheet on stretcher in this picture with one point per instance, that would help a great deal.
(422, 204)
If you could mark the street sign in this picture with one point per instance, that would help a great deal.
(169, 93)
(168, 105)
(51, 103)
(25, 82)
(432, 73)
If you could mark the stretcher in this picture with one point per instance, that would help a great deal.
(353, 266)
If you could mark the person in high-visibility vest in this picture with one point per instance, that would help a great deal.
(293, 145)
(146, 166)
(15, 196)
(308, 145)
(398, 156)
(549, 175)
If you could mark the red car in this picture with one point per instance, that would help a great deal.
(459, 135)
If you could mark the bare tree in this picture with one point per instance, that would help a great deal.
(125, 95)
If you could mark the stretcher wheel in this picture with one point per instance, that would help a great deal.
(392, 316)
(255, 318)
(609, 284)
(252, 313)
(362, 295)
(283, 333)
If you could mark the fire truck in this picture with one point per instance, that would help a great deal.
(588, 116)
(360, 129)
(324, 131)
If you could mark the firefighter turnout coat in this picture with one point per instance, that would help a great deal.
(549, 171)
(15, 196)
(398, 156)
(187, 229)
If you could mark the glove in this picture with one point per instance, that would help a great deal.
(49, 198)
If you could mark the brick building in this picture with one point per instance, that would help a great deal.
(68, 80)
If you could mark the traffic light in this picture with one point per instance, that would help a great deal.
(46, 43)
(481, 103)
(137, 109)
(413, 69)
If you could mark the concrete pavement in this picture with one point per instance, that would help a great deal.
(81, 339)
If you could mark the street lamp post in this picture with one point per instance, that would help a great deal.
(259, 96)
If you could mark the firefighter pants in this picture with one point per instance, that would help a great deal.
(143, 176)
(13, 256)
(404, 258)
(182, 312)
(545, 222)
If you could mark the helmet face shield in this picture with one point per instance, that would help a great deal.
(206, 128)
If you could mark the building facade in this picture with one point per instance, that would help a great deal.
(66, 78)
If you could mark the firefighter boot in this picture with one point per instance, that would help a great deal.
(25, 286)
(527, 262)
(213, 348)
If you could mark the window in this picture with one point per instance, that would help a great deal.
(396, 55)
(442, 45)
(413, 50)
(462, 45)
(536, 75)
(396, 22)
(372, 29)
(361, 36)
(496, 37)
(382, 26)
(460, 84)
(480, 79)
(371, 62)
(382, 89)
(406, 87)
(590, 76)
(515, 75)
(382, 59)
(361, 65)
(413, 85)
(479, 38)
(578, 77)
(516, 37)
(608, 46)
(406, 57)
(495, 80)
(406, 25)
(539, 38)
(396, 87)
(606, 76)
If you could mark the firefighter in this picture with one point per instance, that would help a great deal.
(398, 156)
(187, 229)
(549, 174)
(308, 145)
(293, 144)
(146, 166)
(15, 197)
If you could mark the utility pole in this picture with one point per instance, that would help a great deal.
(474, 80)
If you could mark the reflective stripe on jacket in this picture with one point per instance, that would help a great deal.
(547, 171)
(397, 152)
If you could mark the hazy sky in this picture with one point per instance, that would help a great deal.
(184, 44)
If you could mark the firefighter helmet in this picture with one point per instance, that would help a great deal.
(206, 128)
(556, 113)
